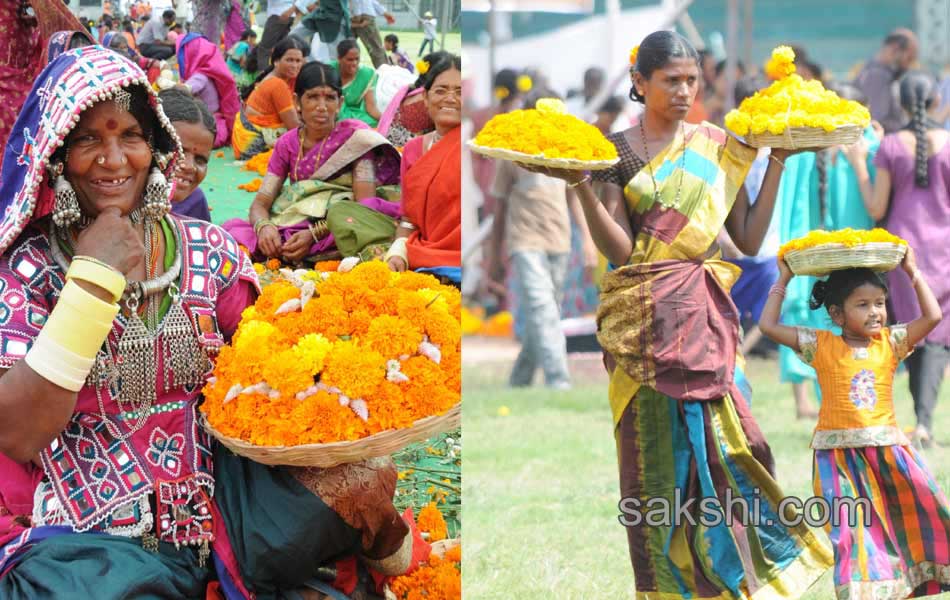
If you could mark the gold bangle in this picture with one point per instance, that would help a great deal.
(261, 224)
(96, 272)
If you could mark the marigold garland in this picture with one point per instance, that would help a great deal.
(370, 350)
(793, 102)
(553, 134)
(846, 237)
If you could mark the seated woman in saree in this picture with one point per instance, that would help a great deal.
(680, 401)
(196, 128)
(109, 487)
(343, 196)
(206, 75)
(429, 238)
(406, 116)
(115, 40)
(269, 110)
(359, 81)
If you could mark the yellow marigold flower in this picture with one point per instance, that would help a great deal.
(551, 105)
(501, 92)
(311, 350)
(781, 64)
(259, 268)
(422, 66)
(633, 54)
(524, 84)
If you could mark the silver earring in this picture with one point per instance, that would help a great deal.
(66, 203)
(157, 191)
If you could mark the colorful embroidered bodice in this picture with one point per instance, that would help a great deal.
(92, 479)
(857, 408)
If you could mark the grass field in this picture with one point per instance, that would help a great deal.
(540, 487)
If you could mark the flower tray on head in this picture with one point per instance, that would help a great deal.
(338, 364)
(795, 138)
(338, 453)
(545, 136)
(821, 252)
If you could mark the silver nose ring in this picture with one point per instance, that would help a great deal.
(100, 160)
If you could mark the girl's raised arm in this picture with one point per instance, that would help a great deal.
(768, 322)
(930, 313)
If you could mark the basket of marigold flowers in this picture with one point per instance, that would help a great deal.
(821, 252)
(546, 135)
(329, 368)
(793, 113)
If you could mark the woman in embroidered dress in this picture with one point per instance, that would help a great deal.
(899, 544)
(429, 238)
(359, 83)
(269, 110)
(343, 175)
(206, 75)
(112, 309)
(679, 398)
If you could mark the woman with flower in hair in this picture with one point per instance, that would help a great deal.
(429, 237)
(912, 196)
(113, 311)
(679, 398)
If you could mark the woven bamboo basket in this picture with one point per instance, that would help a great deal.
(338, 453)
(439, 549)
(825, 258)
(539, 159)
(806, 137)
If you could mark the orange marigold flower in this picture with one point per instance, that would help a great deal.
(356, 370)
(392, 336)
(252, 185)
(432, 522)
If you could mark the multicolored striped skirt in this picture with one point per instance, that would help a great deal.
(901, 546)
(695, 450)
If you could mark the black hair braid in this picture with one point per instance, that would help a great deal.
(921, 174)
(821, 165)
(818, 295)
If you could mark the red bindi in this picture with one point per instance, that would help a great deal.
(112, 124)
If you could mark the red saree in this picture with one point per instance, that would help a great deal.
(432, 200)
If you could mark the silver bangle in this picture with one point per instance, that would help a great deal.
(407, 225)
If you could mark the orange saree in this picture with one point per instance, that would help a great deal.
(432, 200)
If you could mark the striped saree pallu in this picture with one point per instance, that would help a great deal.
(901, 546)
(678, 395)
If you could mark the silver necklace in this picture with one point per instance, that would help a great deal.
(679, 188)
(130, 373)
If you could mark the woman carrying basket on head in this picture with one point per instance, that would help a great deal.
(679, 398)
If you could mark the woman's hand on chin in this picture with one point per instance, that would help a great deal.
(112, 239)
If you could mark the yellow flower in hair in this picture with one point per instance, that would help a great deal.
(524, 84)
(422, 66)
(501, 92)
(633, 54)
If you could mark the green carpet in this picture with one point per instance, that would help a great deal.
(225, 200)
